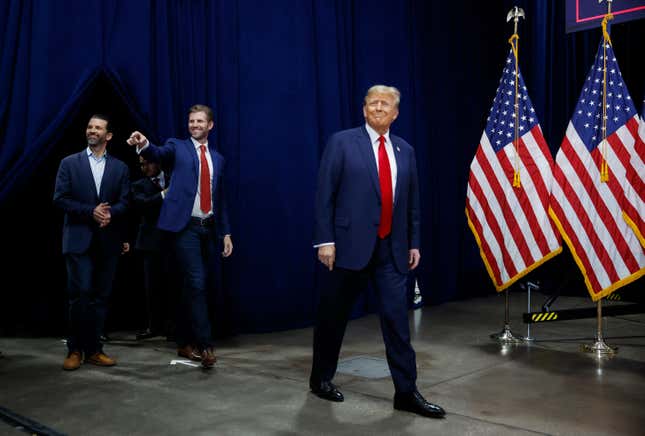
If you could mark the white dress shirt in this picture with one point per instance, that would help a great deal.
(97, 165)
(161, 179)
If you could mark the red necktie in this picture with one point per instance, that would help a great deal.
(385, 180)
(204, 181)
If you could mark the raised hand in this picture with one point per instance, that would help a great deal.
(137, 139)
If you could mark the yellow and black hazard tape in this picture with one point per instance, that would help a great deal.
(579, 313)
(544, 316)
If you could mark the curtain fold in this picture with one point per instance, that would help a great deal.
(282, 76)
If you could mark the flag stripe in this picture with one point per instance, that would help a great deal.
(590, 212)
(496, 175)
(524, 201)
(511, 223)
(576, 212)
(486, 216)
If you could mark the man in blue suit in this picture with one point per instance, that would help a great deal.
(194, 210)
(92, 190)
(367, 229)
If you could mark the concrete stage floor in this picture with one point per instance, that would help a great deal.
(259, 385)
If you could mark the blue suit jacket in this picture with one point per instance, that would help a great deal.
(75, 194)
(348, 200)
(179, 157)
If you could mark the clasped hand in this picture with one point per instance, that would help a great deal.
(102, 214)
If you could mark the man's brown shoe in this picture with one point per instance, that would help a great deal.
(208, 358)
(100, 359)
(72, 361)
(189, 352)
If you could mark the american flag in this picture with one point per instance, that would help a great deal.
(587, 211)
(511, 224)
(634, 207)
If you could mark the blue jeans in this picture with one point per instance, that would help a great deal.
(196, 254)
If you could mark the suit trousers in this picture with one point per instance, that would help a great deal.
(156, 283)
(339, 292)
(89, 285)
(196, 252)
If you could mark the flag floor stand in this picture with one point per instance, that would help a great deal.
(600, 347)
(506, 336)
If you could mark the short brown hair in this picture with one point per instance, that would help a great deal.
(202, 108)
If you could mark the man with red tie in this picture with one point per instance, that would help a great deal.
(194, 210)
(367, 229)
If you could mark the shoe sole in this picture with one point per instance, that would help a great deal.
(193, 358)
(100, 363)
(427, 415)
(71, 369)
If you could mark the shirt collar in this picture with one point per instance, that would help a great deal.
(196, 143)
(160, 176)
(88, 150)
(374, 135)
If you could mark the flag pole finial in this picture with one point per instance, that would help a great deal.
(515, 14)
(609, 2)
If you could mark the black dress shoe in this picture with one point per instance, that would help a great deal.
(415, 403)
(327, 391)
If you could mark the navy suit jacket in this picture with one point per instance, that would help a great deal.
(147, 201)
(179, 157)
(348, 200)
(75, 194)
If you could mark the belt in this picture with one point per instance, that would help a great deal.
(204, 222)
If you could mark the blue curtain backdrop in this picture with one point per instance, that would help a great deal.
(282, 75)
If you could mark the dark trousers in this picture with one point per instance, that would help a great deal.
(89, 285)
(196, 252)
(340, 289)
(157, 282)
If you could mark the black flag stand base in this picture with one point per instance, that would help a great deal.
(600, 347)
(506, 336)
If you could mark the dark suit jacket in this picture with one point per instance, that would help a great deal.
(348, 200)
(75, 194)
(180, 157)
(147, 201)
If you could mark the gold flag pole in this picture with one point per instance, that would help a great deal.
(506, 336)
(599, 347)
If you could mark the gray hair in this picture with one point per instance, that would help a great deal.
(384, 89)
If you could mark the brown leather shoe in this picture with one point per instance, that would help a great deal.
(208, 358)
(100, 359)
(72, 361)
(189, 352)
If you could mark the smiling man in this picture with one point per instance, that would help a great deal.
(92, 190)
(367, 229)
(194, 211)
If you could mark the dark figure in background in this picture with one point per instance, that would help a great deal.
(148, 198)
(367, 228)
(194, 210)
(92, 190)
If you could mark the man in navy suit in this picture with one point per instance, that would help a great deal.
(367, 229)
(147, 198)
(194, 210)
(92, 189)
